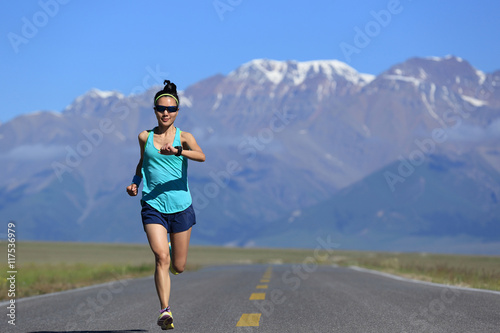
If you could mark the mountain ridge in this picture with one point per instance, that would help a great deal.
(279, 145)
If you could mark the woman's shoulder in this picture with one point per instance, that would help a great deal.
(143, 136)
(188, 138)
(185, 134)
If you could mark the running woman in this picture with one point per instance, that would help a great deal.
(166, 201)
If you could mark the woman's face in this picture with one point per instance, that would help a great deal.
(164, 117)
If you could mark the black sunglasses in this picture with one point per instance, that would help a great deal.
(161, 108)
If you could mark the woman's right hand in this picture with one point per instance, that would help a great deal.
(132, 190)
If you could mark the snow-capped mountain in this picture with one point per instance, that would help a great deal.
(295, 73)
(286, 143)
(81, 104)
(444, 76)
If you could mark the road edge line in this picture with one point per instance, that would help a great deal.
(434, 284)
(69, 291)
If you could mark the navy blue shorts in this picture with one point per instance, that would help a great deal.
(175, 222)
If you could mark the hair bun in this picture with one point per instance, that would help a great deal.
(169, 87)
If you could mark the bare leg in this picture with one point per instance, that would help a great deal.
(180, 247)
(158, 241)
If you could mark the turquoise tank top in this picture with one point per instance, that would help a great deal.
(165, 179)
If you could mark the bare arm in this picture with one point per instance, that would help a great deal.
(190, 148)
(132, 189)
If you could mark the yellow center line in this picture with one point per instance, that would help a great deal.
(253, 319)
(258, 296)
(249, 319)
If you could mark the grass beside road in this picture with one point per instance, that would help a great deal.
(481, 272)
(50, 267)
(45, 267)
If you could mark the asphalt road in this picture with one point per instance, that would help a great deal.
(278, 298)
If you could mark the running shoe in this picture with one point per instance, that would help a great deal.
(172, 270)
(165, 320)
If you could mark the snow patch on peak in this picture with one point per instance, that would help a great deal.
(481, 76)
(422, 74)
(448, 57)
(474, 101)
(276, 71)
(367, 77)
(416, 82)
(333, 68)
(96, 93)
(272, 70)
(433, 58)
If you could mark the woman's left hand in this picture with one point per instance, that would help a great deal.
(168, 149)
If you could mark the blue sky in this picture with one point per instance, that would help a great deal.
(53, 51)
